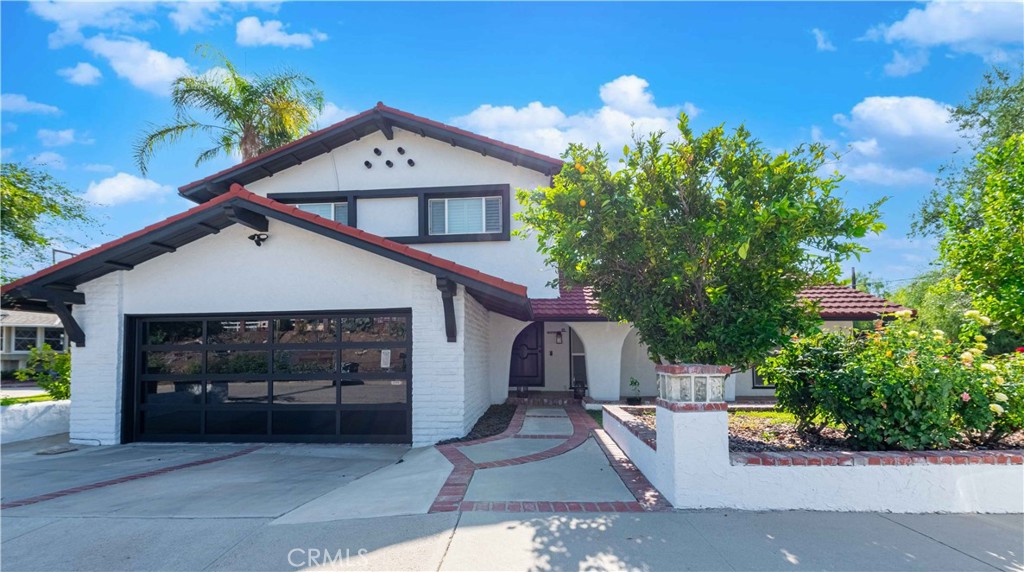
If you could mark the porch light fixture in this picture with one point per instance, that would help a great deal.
(558, 338)
(259, 238)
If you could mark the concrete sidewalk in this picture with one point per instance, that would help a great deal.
(707, 540)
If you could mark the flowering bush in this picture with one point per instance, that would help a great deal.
(899, 387)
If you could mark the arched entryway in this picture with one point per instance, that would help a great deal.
(548, 356)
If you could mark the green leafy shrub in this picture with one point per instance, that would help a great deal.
(50, 370)
(799, 371)
(899, 388)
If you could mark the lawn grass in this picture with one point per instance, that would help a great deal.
(598, 416)
(30, 399)
(780, 416)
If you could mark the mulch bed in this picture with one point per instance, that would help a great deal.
(749, 433)
(493, 421)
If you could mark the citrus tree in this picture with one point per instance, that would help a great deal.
(702, 244)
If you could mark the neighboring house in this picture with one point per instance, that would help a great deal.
(358, 285)
(21, 331)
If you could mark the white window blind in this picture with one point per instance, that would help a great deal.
(465, 216)
(337, 212)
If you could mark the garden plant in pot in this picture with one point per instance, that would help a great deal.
(634, 389)
(701, 241)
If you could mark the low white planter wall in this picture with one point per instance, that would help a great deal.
(643, 455)
(692, 467)
(31, 420)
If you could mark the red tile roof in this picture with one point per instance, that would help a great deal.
(576, 304)
(239, 192)
(847, 303)
(835, 302)
(553, 162)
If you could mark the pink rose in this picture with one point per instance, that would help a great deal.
(965, 397)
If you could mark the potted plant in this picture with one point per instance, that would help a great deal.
(634, 387)
(702, 244)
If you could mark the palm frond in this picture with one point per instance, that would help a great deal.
(161, 136)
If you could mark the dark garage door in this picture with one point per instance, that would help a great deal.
(326, 377)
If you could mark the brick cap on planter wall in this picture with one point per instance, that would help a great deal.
(692, 368)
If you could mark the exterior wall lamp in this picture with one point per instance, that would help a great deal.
(261, 237)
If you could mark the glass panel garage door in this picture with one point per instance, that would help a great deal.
(340, 377)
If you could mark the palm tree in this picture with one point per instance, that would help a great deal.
(253, 114)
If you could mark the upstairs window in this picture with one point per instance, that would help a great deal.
(338, 212)
(476, 215)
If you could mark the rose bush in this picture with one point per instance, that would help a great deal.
(898, 387)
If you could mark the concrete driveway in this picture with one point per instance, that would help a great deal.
(289, 507)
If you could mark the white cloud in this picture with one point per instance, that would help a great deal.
(628, 106)
(991, 30)
(134, 60)
(81, 74)
(8, 127)
(74, 17)
(891, 140)
(49, 159)
(195, 16)
(906, 64)
(885, 175)
(251, 32)
(822, 41)
(53, 138)
(6, 152)
(332, 114)
(18, 103)
(98, 168)
(124, 188)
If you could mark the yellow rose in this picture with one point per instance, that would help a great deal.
(996, 408)
(967, 357)
(985, 321)
(999, 380)
(987, 367)
(1002, 397)
(972, 314)
(979, 338)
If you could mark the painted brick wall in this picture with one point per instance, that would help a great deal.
(96, 368)
(437, 366)
(224, 264)
(478, 390)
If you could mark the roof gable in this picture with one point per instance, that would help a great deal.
(209, 218)
(380, 118)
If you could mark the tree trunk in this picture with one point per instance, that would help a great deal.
(250, 144)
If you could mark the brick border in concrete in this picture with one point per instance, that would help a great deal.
(648, 497)
(127, 478)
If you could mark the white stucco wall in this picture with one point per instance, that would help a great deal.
(501, 332)
(24, 421)
(603, 343)
(389, 217)
(294, 270)
(692, 468)
(637, 363)
(556, 357)
(437, 164)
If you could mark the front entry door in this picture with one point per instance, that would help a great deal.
(527, 368)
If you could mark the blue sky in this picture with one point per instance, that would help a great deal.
(873, 80)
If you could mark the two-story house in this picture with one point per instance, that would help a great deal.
(360, 284)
